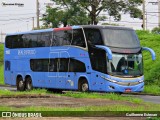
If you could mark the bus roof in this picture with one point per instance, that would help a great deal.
(106, 26)
(70, 28)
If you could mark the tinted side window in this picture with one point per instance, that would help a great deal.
(76, 66)
(98, 60)
(53, 65)
(93, 36)
(62, 38)
(14, 41)
(29, 40)
(8, 42)
(78, 38)
(43, 39)
(63, 64)
(39, 65)
(7, 65)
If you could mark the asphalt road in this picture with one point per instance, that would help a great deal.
(147, 98)
(11, 88)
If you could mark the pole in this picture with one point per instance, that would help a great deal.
(32, 23)
(144, 15)
(146, 20)
(37, 7)
(159, 13)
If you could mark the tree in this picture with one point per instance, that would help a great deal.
(49, 17)
(156, 30)
(70, 15)
(112, 7)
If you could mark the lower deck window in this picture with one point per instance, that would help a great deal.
(57, 65)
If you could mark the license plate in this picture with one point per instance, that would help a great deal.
(127, 90)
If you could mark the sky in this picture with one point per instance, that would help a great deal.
(14, 18)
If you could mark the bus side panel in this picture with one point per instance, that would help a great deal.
(97, 83)
(10, 68)
(7, 72)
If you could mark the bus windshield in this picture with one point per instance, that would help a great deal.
(121, 38)
(125, 65)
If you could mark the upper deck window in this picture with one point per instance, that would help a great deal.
(46, 39)
(121, 38)
(93, 36)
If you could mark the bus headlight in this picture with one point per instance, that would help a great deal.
(140, 81)
(110, 80)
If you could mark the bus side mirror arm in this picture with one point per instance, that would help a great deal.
(107, 49)
(151, 51)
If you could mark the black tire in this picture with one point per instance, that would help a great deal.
(84, 87)
(20, 84)
(29, 85)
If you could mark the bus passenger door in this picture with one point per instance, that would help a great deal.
(99, 65)
(76, 69)
(62, 70)
(71, 76)
(10, 68)
(52, 70)
(7, 75)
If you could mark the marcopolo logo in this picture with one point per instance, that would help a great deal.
(4, 4)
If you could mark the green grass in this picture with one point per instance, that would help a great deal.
(1, 52)
(33, 92)
(151, 68)
(1, 64)
(152, 89)
(110, 96)
(116, 107)
(1, 74)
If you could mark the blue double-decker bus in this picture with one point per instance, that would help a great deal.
(84, 58)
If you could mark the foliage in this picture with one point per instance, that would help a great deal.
(151, 68)
(1, 52)
(72, 15)
(149, 89)
(156, 30)
(1, 74)
(112, 7)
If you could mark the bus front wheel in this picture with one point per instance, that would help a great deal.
(29, 85)
(20, 84)
(84, 87)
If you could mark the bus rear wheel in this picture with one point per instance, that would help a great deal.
(20, 84)
(84, 87)
(29, 85)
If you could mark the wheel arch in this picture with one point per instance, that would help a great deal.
(20, 85)
(18, 76)
(81, 80)
(27, 76)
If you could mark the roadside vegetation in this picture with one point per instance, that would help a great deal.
(1, 64)
(121, 104)
(151, 68)
(43, 92)
(88, 110)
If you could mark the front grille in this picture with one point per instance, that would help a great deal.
(128, 83)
